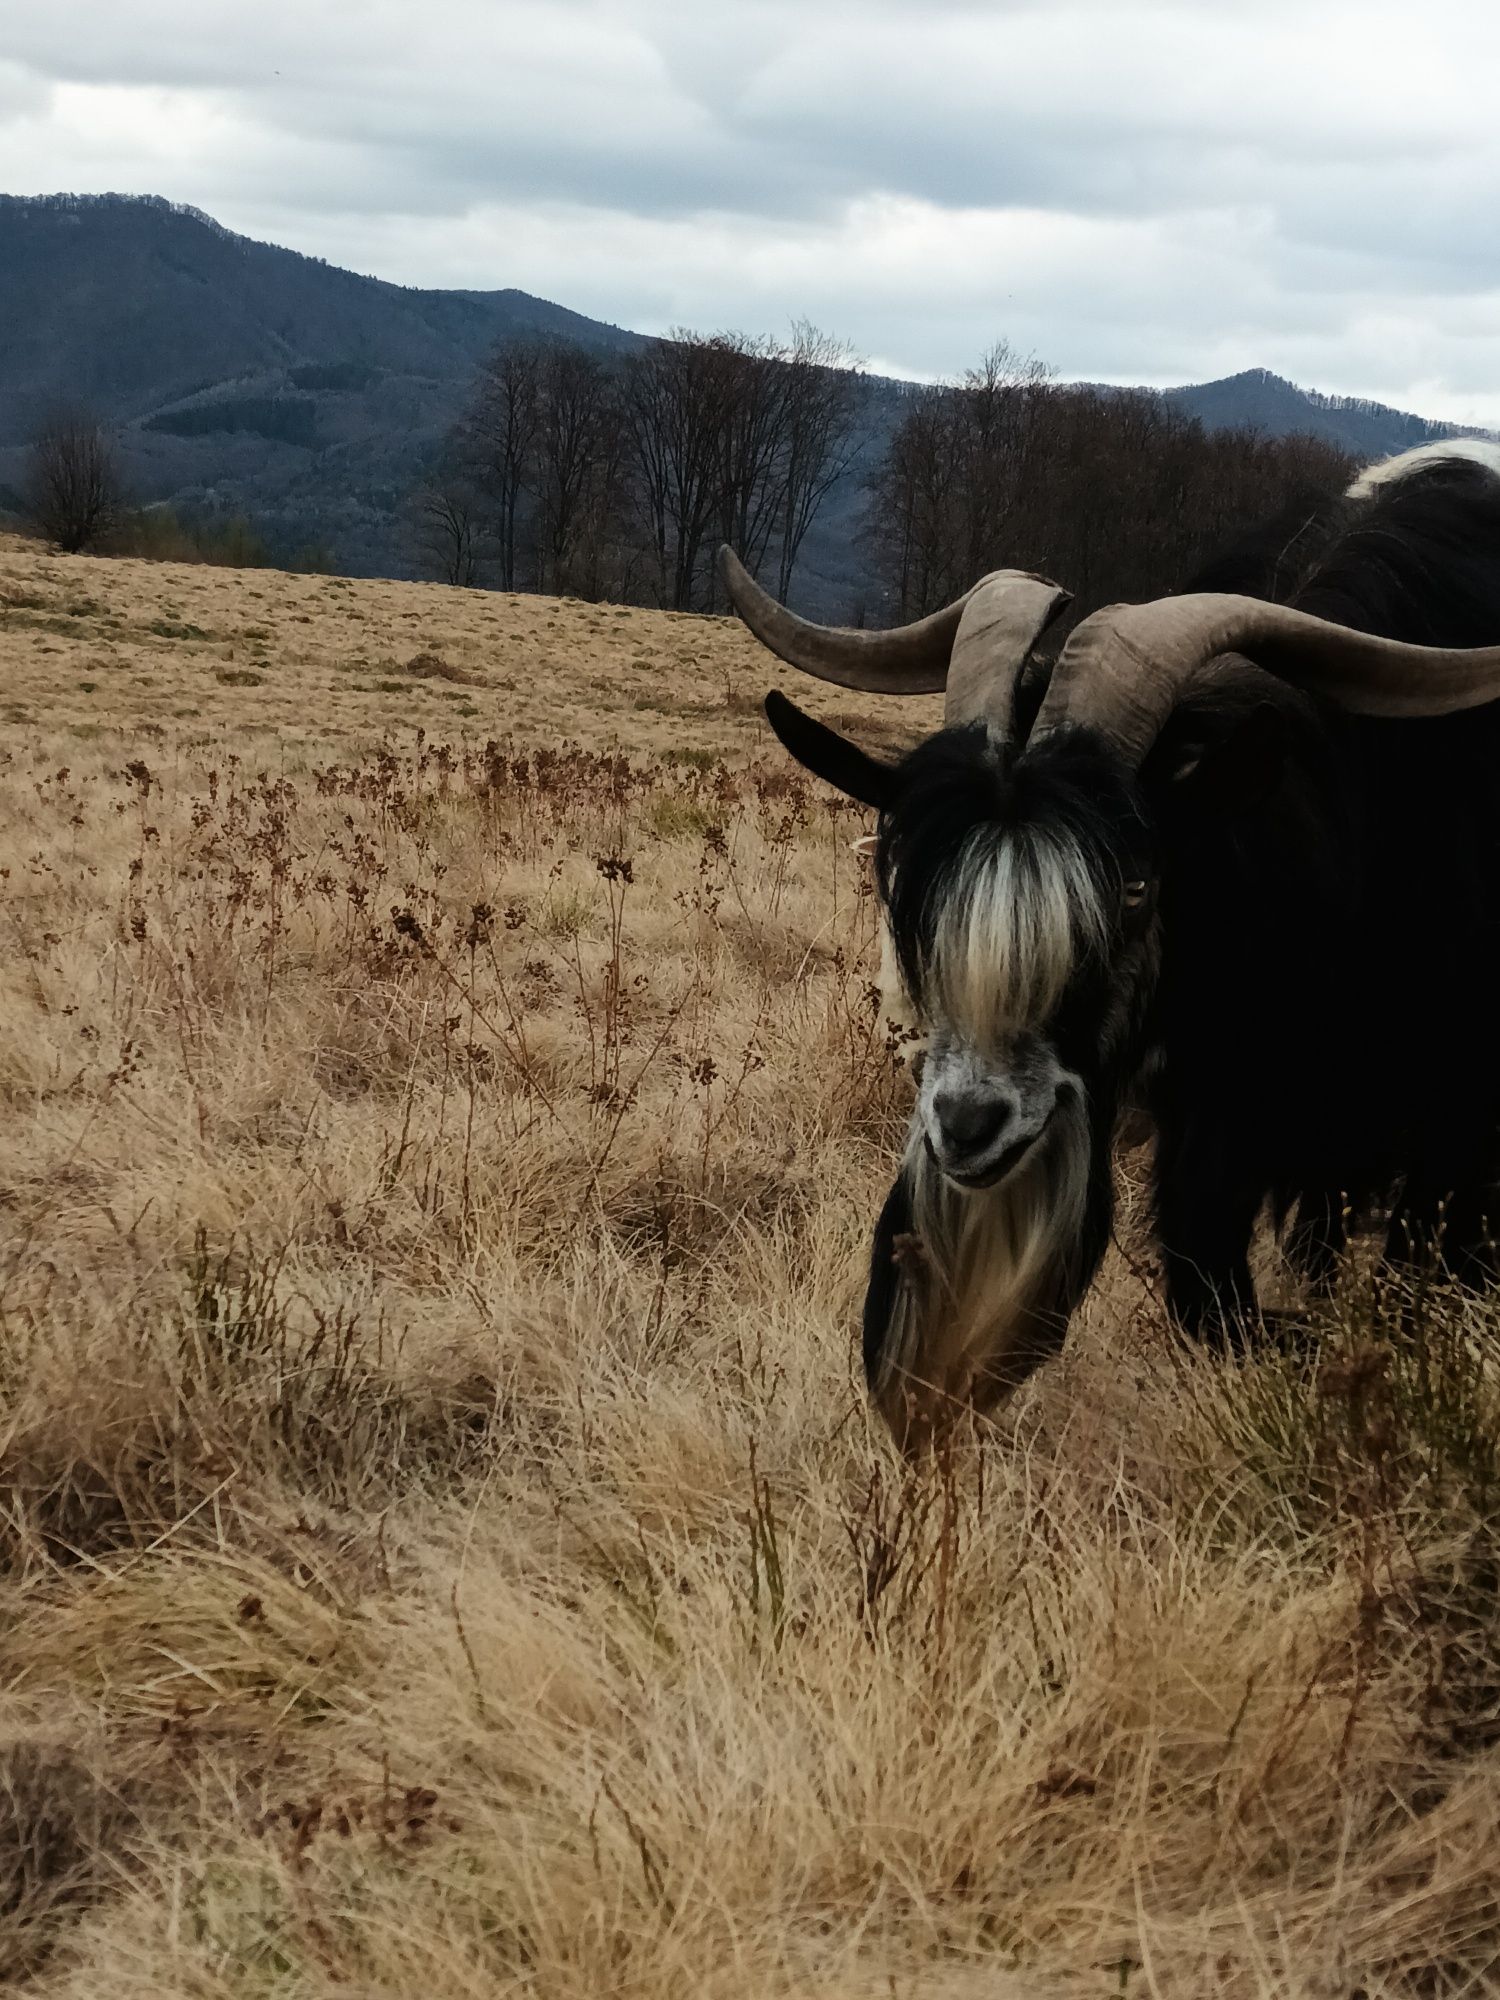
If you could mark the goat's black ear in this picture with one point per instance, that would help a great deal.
(1235, 768)
(828, 755)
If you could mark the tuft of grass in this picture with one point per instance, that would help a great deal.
(172, 628)
(672, 818)
(431, 666)
(1387, 1404)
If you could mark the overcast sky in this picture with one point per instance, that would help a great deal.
(1134, 193)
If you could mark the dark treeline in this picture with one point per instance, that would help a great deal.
(608, 477)
(617, 477)
(1111, 492)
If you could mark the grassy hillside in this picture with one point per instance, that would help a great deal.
(445, 1546)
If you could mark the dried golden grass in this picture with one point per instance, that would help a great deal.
(446, 1549)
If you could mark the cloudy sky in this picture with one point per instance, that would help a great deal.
(1135, 193)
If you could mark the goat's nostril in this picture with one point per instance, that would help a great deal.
(969, 1122)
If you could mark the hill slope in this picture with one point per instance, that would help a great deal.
(136, 304)
(245, 373)
(1256, 399)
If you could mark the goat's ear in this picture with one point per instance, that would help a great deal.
(1234, 768)
(828, 755)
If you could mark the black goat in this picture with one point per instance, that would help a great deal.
(1232, 858)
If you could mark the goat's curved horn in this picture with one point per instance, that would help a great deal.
(973, 647)
(1003, 617)
(1126, 668)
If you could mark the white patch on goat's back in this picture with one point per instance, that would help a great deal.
(1019, 911)
(1390, 471)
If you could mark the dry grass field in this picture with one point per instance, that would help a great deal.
(445, 1549)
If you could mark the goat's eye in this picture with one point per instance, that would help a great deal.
(1134, 894)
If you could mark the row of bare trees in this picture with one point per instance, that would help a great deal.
(1114, 492)
(601, 476)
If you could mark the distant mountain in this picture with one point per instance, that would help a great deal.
(250, 379)
(1256, 399)
(244, 374)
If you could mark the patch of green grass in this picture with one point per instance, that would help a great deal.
(679, 819)
(564, 912)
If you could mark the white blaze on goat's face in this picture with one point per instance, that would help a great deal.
(1018, 914)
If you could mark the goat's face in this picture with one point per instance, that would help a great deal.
(1019, 901)
(1022, 944)
(1018, 896)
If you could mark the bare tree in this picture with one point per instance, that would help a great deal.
(449, 528)
(72, 489)
(752, 418)
(915, 498)
(1113, 491)
(820, 436)
(574, 426)
(607, 560)
(499, 435)
(674, 399)
(995, 411)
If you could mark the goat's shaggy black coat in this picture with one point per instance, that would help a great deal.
(1284, 931)
(1326, 1016)
(1316, 1025)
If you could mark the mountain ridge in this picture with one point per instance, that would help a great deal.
(252, 378)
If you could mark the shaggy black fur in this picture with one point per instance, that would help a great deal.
(1331, 956)
(1318, 1025)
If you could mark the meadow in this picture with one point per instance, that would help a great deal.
(444, 1545)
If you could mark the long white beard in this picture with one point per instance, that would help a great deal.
(985, 1277)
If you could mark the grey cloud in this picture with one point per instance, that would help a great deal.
(1135, 190)
(21, 92)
